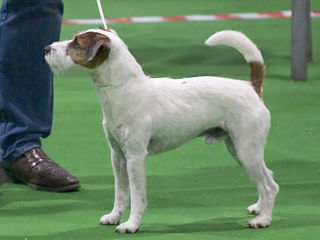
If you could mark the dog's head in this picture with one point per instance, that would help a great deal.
(100, 51)
(89, 49)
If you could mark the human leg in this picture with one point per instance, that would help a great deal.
(26, 86)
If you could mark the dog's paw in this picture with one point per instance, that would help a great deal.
(110, 219)
(259, 222)
(254, 209)
(127, 227)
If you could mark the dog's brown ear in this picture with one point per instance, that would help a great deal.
(99, 50)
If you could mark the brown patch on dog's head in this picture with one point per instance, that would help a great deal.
(89, 49)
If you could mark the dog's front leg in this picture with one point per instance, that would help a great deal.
(121, 190)
(137, 182)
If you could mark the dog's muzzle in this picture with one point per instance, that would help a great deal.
(47, 49)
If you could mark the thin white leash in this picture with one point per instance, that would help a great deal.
(102, 15)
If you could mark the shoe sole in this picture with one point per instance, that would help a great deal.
(68, 188)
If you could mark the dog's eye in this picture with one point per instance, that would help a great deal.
(76, 45)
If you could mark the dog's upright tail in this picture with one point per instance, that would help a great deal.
(248, 49)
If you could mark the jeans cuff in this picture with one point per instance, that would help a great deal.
(6, 164)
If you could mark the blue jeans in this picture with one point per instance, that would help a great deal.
(26, 86)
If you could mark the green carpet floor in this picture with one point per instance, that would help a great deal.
(196, 191)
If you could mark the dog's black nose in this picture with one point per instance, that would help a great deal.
(47, 49)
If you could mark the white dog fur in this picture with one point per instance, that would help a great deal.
(143, 115)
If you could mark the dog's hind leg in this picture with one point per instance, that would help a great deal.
(231, 149)
(254, 209)
(249, 151)
(121, 190)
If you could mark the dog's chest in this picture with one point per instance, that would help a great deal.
(169, 137)
(158, 144)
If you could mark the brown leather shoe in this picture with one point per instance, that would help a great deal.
(38, 171)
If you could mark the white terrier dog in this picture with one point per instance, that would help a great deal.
(143, 115)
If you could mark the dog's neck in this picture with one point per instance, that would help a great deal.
(118, 69)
